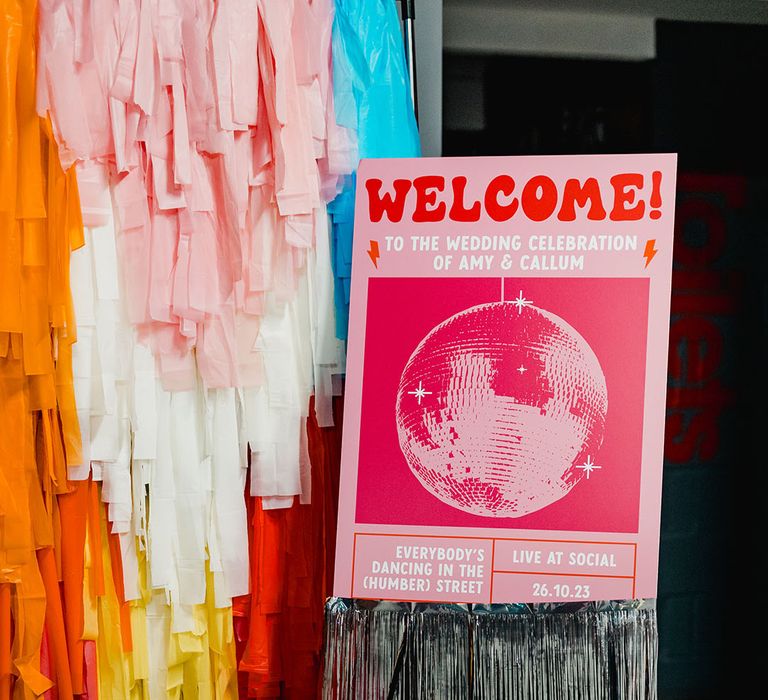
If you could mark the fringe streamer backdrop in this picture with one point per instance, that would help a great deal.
(168, 344)
(176, 210)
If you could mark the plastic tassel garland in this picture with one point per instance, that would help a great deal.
(39, 226)
(373, 101)
(594, 651)
(178, 548)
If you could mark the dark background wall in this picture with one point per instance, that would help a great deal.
(702, 96)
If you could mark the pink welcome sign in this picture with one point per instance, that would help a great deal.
(506, 379)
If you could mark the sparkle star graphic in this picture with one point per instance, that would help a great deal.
(522, 369)
(588, 466)
(521, 301)
(420, 393)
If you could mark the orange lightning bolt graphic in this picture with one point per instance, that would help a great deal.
(373, 253)
(650, 251)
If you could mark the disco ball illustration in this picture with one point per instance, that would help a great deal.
(501, 409)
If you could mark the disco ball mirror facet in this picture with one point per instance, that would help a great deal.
(498, 408)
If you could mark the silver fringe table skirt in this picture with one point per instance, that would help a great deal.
(570, 651)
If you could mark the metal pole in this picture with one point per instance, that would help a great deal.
(408, 12)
